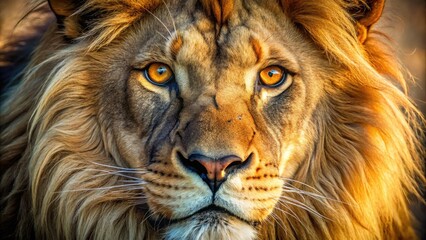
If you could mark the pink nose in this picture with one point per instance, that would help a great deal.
(212, 171)
(216, 169)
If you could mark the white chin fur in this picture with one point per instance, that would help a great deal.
(211, 226)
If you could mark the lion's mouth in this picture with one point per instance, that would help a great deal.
(211, 211)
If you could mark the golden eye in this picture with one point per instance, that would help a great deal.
(273, 76)
(158, 73)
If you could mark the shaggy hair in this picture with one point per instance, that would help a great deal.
(59, 161)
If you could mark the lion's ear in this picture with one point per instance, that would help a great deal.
(366, 13)
(103, 20)
(67, 19)
(64, 8)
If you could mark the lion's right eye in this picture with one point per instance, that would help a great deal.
(273, 76)
(158, 73)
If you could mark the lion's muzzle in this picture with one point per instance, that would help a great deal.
(217, 142)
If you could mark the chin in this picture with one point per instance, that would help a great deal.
(211, 224)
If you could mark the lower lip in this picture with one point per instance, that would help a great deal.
(211, 212)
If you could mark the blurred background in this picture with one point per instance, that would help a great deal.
(405, 22)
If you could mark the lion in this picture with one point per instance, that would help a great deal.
(208, 119)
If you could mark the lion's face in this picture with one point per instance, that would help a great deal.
(215, 138)
(209, 120)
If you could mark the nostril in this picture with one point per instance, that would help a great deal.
(233, 166)
(192, 165)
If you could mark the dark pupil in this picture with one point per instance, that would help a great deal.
(272, 73)
(161, 70)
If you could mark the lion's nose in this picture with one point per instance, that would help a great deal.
(213, 171)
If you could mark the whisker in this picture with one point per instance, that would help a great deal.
(304, 184)
(291, 213)
(101, 188)
(301, 205)
(151, 213)
(275, 218)
(315, 196)
(116, 167)
(132, 181)
(302, 194)
(290, 190)
(170, 14)
(159, 20)
(278, 221)
(158, 32)
(115, 173)
(118, 171)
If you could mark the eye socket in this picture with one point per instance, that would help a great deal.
(273, 76)
(158, 73)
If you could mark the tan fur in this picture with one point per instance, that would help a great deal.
(90, 149)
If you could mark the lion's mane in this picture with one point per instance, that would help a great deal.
(365, 161)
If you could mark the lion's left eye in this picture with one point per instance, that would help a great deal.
(273, 76)
(158, 73)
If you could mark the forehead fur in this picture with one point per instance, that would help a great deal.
(219, 9)
(327, 21)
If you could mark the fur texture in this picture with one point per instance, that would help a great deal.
(90, 149)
